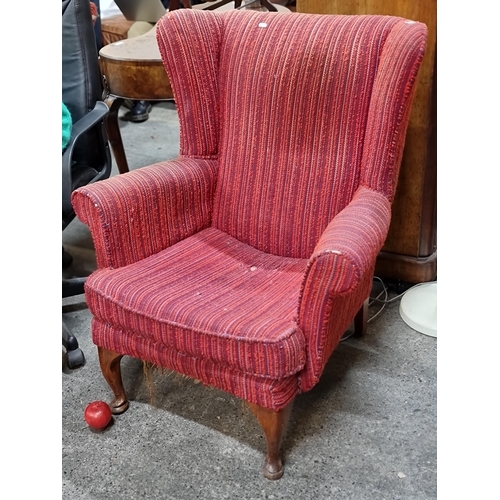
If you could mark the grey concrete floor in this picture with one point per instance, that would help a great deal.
(368, 430)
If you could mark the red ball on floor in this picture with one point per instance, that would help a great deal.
(97, 415)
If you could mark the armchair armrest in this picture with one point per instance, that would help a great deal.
(338, 276)
(134, 215)
(352, 240)
(81, 126)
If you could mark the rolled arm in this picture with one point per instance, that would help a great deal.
(339, 275)
(134, 215)
(353, 239)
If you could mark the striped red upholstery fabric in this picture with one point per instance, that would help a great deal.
(210, 297)
(294, 124)
(307, 105)
(390, 106)
(267, 392)
(144, 211)
(242, 262)
(339, 276)
(191, 49)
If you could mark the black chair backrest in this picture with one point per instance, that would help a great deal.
(81, 89)
(81, 77)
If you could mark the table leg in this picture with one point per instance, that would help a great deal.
(114, 135)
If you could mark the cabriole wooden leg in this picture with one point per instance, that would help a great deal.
(110, 367)
(274, 425)
(361, 320)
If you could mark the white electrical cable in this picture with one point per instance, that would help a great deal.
(377, 299)
(385, 301)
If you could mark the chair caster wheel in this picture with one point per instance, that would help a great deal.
(75, 358)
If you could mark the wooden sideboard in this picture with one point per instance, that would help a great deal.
(410, 251)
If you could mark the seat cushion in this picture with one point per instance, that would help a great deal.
(210, 297)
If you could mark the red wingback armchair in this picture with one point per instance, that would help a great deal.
(243, 261)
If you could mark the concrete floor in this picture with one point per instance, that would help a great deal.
(366, 431)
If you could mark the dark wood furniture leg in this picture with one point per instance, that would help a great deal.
(274, 425)
(361, 320)
(114, 134)
(110, 367)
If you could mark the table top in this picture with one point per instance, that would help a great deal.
(133, 69)
(140, 48)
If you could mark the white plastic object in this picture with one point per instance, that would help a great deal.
(418, 308)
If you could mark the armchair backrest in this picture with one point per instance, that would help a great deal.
(299, 109)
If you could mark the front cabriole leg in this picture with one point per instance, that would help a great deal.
(274, 425)
(110, 367)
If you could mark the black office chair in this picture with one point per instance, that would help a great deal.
(87, 157)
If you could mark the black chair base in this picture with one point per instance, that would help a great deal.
(74, 356)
